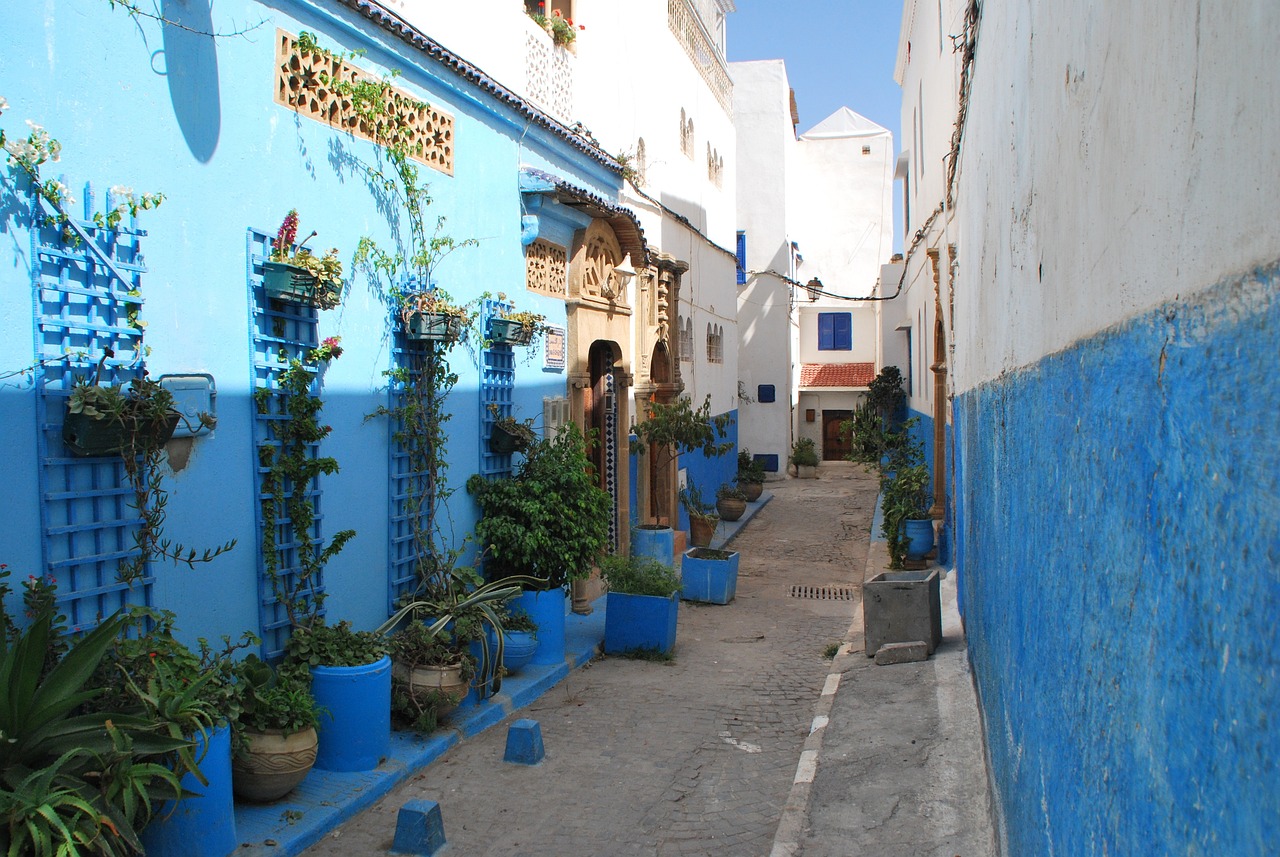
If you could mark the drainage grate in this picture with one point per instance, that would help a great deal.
(823, 593)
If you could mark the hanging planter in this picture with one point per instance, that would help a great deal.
(432, 327)
(88, 436)
(509, 436)
(510, 331)
(296, 275)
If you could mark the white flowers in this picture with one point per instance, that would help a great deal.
(4, 104)
(35, 150)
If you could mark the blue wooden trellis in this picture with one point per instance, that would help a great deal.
(278, 332)
(497, 391)
(85, 294)
(405, 480)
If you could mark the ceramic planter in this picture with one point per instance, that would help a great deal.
(432, 327)
(709, 576)
(203, 826)
(652, 540)
(753, 490)
(702, 531)
(355, 718)
(919, 535)
(640, 623)
(509, 331)
(271, 764)
(87, 436)
(731, 508)
(519, 649)
(546, 608)
(902, 607)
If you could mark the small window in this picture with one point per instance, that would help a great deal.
(766, 393)
(770, 462)
(866, 150)
(835, 331)
(742, 258)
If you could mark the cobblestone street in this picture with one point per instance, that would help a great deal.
(696, 756)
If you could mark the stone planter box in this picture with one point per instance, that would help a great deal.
(900, 607)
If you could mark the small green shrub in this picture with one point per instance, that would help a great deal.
(639, 576)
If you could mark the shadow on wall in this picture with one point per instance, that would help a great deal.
(191, 68)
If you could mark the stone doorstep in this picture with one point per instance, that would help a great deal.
(902, 653)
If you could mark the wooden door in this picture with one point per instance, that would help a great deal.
(835, 446)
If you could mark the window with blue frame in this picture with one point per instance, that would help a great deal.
(835, 331)
(742, 258)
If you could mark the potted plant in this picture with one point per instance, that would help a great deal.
(641, 607)
(702, 515)
(431, 315)
(509, 434)
(275, 732)
(750, 476)
(549, 522)
(515, 327)
(560, 29)
(804, 455)
(907, 524)
(432, 673)
(709, 575)
(350, 674)
(731, 502)
(296, 275)
(109, 420)
(521, 637)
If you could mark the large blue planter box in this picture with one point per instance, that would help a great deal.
(714, 581)
(355, 720)
(203, 826)
(654, 541)
(639, 622)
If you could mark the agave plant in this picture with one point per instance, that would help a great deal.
(73, 778)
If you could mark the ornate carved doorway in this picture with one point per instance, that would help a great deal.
(601, 413)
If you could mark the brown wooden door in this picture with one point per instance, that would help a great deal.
(835, 446)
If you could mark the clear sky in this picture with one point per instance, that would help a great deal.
(839, 53)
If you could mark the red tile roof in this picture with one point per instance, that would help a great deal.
(837, 374)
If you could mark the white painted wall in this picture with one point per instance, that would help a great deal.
(630, 78)
(1126, 169)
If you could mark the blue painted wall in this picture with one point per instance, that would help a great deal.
(204, 130)
(710, 473)
(1120, 553)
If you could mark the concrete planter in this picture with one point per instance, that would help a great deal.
(901, 607)
(806, 471)
(654, 541)
(640, 622)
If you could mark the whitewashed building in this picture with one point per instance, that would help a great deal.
(808, 346)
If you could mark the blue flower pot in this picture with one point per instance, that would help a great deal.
(546, 608)
(203, 826)
(714, 581)
(355, 715)
(518, 649)
(919, 538)
(640, 622)
(654, 541)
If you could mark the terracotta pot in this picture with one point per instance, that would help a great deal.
(272, 764)
(753, 490)
(731, 508)
(702, 531)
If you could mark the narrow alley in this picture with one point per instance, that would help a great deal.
(696, 756)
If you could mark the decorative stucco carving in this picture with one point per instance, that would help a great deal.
(548, 73)
(306, 82)
(594, 273)
(544, 268)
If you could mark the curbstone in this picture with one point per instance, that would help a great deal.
(902, 653)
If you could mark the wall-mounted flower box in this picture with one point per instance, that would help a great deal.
(87, 436)
(510, 331)
(432, 327)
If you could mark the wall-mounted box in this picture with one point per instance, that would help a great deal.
(193, 394)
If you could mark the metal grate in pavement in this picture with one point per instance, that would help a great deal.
(822, 593)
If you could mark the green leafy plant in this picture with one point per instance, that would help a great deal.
(672, 428)
(339, 645)
(268, 700)
(873, 421)
(290, 469)
(749, 470)
(728, 491)
(326, 270)
(551, 519)
(804, 453)
(639, 576)
(905, 494)
(561, 29)
(694, 504)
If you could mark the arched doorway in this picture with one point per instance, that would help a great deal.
(600, 408)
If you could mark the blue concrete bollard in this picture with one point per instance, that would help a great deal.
(524, 743)
(419, 828)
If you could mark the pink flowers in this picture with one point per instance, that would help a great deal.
(288, 232)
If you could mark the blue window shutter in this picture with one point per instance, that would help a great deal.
(766, 393)
(842, 331)
(742, 258)
(835, 331)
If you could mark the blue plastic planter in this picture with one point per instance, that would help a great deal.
(654, 541)
(203, 826)
(714, 581)
(633, 622)
(355, 715)
(518, 649)
(919, 538)
(547, 609)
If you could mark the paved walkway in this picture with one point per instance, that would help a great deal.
(715, 753)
